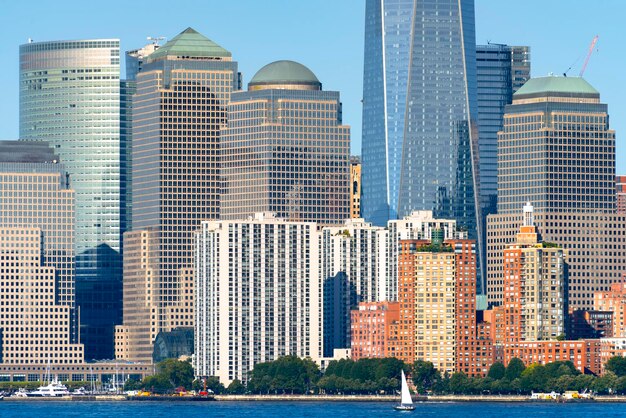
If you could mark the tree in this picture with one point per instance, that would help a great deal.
(425, 375)
(178, 373)
(533, 378)
(157, 383)
(212, 383)
(617, 365)
(496, 371)
(236, 387)
(285, 374)
(514, 369)
(459, 383)
(132, 384)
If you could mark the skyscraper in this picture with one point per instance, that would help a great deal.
(182, 94)
(257, 294)
(501, 70)
(385, 80)
(285, 149)
(70, 97)
(36, 257)
(420, 149)
(556, 150)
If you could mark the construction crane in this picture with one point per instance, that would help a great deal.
(593, 45)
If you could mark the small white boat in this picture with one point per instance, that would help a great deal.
(21, 393)
(54, 389)
(406, 402)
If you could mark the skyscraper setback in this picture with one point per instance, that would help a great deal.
(420, 149)
(183, 90)
(70, 97)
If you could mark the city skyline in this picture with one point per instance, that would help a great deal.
(555, 47)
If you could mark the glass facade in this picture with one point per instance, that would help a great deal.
(70, 97)
(385, 77)
(500, 71)
(420, 138)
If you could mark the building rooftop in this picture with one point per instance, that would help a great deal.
(190, 43)
(285, 73)
(27, 152)
(558, 85)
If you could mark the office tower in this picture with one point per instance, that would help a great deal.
(285, 150)
(385, 80)
(70, 97)
(257, 294)
(36, 257)
(500, 71)
(620, 189)
(128, 87)
(422, 155)
(355, 187)
(183, 90)
(350, 267)
(557, 151)
(437, 297)
(370, 329)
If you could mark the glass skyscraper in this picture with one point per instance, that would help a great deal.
(385, 77)
(501, 71)
(420, 141)
(70, 97)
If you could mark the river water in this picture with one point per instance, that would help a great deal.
(127, 409)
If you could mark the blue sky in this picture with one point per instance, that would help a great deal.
(325, 35)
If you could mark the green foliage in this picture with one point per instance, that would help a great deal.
(496, 371)
(212, 383)
(425, 376)
(550, 245)
(434, 248)
(132, 384)
(459, 383)
(371, 375)
(514, 369)
(236, 388)
(178, 373)
(617, 365)
(288, 374)
(158, 383)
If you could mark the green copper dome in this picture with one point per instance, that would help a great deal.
(284, 74)
(189, 43)
(558, 85)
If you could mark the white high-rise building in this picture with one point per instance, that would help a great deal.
(257, 294)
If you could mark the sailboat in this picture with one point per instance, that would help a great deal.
(406, 403)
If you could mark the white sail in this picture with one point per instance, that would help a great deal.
(406, 395)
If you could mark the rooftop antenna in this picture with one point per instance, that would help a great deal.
(156, 39)
(591, 47)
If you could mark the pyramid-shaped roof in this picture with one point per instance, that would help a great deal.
(553, 84)
(189, 43)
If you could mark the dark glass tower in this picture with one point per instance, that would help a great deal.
(420, 142)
